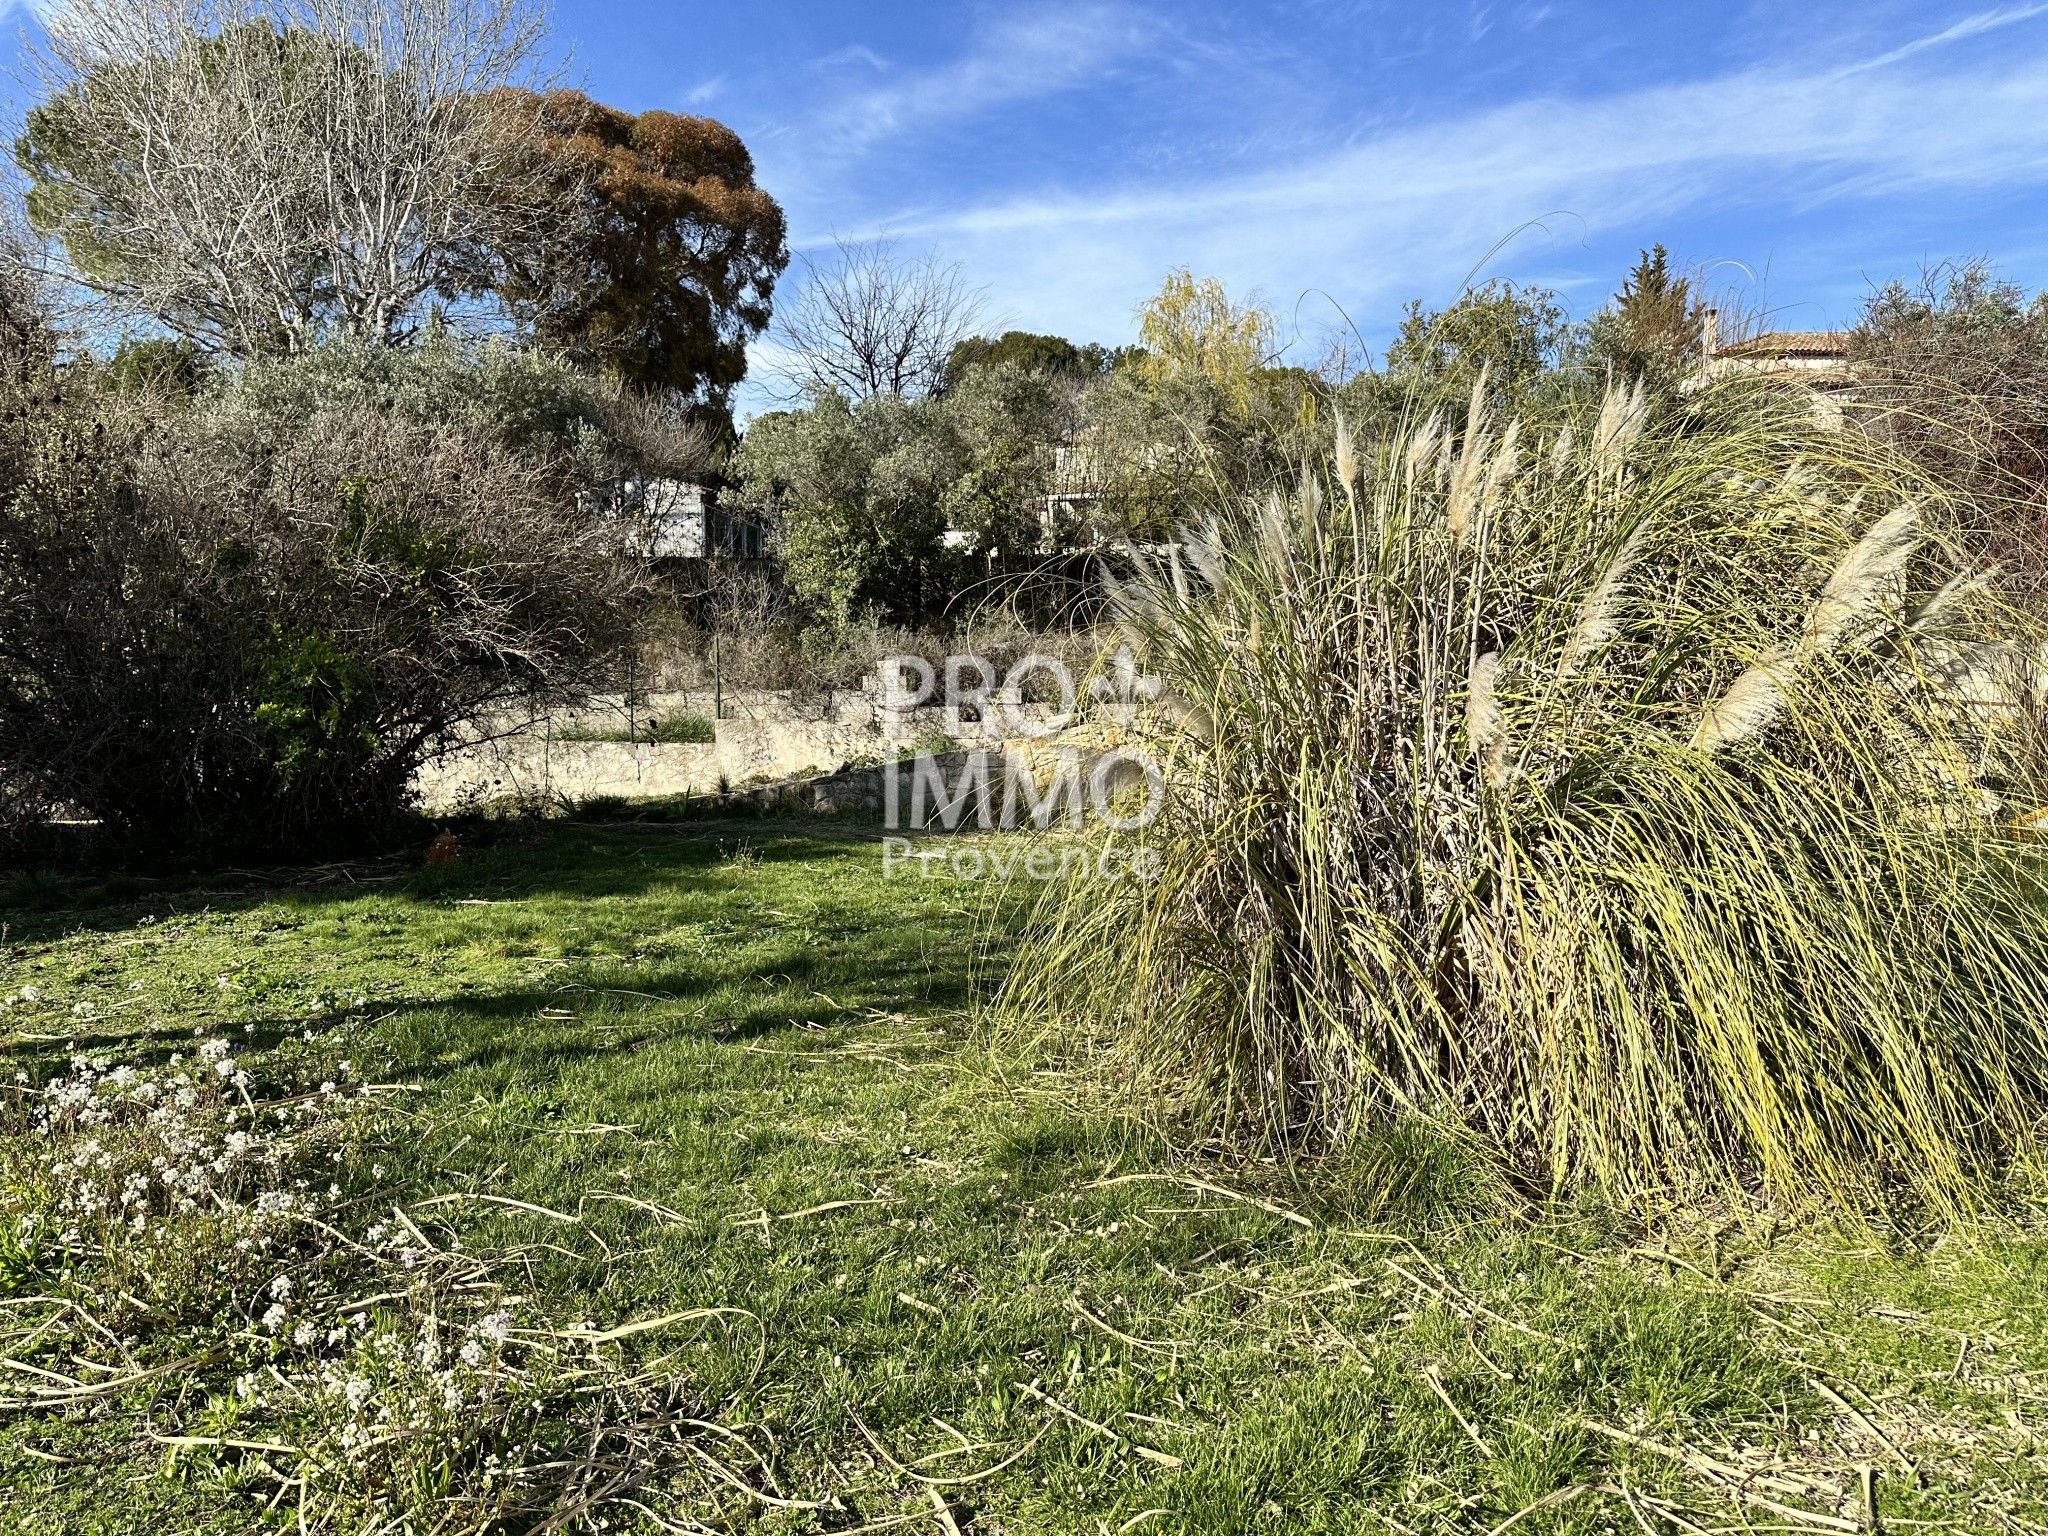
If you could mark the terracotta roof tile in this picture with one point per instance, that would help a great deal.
(1790, 344)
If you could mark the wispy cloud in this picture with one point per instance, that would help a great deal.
(1969, 26)
(854, 53)
(1020, 57)
(1409, 210)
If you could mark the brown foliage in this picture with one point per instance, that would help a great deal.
(1954, 370)
(664, 265)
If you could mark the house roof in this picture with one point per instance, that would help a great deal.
(1790, 344)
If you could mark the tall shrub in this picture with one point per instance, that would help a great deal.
(220, 635)
(1954, 370)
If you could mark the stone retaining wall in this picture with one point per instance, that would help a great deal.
(773, 742)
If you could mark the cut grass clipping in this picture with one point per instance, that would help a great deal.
(1636, 800)
(382, 1377)
(623, 1074)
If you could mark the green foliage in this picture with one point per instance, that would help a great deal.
(671, 1036)
(1652, 329)
(165, 367)
(1510, 334)
(664, 730)
(315, 707)
(863, 492)
(1657, 310)
(1157, 452)
(27, 1247)
(1007, 422)
(1032, 353)
(1969, 302)
(1615, 802)
(246, 623)
(683, 730)
(533, 402)
(856, 489)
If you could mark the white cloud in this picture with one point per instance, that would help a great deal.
(1022, 57)
(1409, 211)
(1969, 26)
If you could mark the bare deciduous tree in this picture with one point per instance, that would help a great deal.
(871, 322)
(253, 173)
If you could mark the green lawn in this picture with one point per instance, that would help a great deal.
(733, 1067)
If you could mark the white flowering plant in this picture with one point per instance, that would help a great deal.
(169, 1190)
(214, 1217)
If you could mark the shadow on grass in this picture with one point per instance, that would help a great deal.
(496, 859)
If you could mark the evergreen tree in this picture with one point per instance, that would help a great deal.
(1660, 317)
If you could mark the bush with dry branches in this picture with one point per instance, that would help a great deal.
(223, 635)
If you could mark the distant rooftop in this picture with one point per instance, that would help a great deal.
(1788, 344)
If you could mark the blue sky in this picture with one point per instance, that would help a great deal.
(1070, 152)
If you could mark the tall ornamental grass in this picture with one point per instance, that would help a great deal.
(1639, 797)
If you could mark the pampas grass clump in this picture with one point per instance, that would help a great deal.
(1636, 799)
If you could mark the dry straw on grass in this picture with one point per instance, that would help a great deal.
(1634, 799)
(178, 1227)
